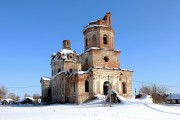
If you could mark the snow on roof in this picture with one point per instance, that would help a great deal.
(8, 100)
(106, 68)
(116, 50)
(174, 96)
(94, 48)
(127, 70)
(94, 25)
(83, 72)
(57, 74)
(54, 54)
(46, 78)
(98, 67)
(31, 98)
(64, 53)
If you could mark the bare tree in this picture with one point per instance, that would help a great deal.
(3, 92)
(12, 96)
(26, 95)
(158, 93)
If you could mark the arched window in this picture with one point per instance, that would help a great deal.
(86, 86)
(70, 56)
(105, 39)
(64, 43)
(123, 87)
(106, 87)
(59, 70)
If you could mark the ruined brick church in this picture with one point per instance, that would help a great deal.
(77, 78)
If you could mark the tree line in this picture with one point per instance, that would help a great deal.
(158, 93)
(4, 94)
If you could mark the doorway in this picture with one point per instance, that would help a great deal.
(106, 87)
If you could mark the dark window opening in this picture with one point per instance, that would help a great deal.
(59, 56)
(123, 88)
(106, 87)
(106, 59)
(70, 70)
(70, 56)
(59, 70)
(86, 61)
(86, 86)
(105, 40)
(49, 92)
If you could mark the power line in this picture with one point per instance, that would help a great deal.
(155, 84)
(24, 87)
(132, 81)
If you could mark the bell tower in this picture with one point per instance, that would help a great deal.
(66, 44)
(99, 45)
(99, 34)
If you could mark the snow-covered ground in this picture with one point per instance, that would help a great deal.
(142, 109)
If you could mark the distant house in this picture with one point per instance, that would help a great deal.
(173, 99)
(37, 100)
(7, 101)
(27, 100)
(0, 101)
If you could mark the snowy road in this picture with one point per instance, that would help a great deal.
(130, 111)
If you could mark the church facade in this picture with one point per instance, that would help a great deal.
(77, 78)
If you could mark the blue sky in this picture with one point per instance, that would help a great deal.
(146, 31)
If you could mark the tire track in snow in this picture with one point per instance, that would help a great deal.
(159, 110)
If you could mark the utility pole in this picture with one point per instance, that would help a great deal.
(109, 92)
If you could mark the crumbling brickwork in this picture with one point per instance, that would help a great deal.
(77, 78)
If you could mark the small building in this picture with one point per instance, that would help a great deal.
(173, 98)
(7, 101)
(27, 100)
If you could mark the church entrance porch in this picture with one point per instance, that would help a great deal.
(106, 87)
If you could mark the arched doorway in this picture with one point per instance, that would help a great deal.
(106, 87)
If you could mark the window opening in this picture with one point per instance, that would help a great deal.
(106, 59)
(124, 88)
(59, 70)
(86, 86)
(105, 40)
